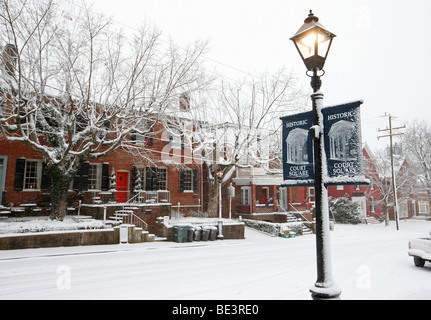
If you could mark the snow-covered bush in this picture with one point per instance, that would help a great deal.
(344, 210)
(274, 228)
(268, 227)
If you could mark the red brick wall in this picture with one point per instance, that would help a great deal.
(120, 160)
(14, 150)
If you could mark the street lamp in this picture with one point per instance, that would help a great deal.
(219, 175)
(313, 42)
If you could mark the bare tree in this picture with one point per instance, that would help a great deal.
(244, 123)
(379, 172)
(416, 142)
(74, 87)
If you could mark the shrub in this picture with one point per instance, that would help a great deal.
(345, 210)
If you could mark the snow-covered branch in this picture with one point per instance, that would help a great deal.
(74, 88)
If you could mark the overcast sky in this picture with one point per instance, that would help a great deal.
(380, 54)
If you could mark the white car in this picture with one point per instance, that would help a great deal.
(420, 250)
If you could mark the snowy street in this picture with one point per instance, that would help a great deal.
(369, 262)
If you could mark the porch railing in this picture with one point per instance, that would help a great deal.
(160, 196)
(143, 197)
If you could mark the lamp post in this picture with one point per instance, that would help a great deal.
(219, 175)
(313, 42)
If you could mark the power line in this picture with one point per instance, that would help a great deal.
(390, 129)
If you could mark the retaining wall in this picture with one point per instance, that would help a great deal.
(71, 238)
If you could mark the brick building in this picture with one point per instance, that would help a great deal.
(152, 169)
(413, 198)
(367, 196)
(258, 194)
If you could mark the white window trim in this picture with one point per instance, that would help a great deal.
(413, 208)
(423, 207)
(98, 186)
(166, 181)
(38, 175)
(403, 209)
(174, 137)
(245, 191)
(312, 195)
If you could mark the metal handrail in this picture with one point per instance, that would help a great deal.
(296, 211)
(149, 196)
(134, 219)
(141, 223)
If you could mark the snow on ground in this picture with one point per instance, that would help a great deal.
(41, 224)
(369, 262)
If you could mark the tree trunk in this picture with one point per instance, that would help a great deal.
(60, 187)
(212, 210)
(386, 213)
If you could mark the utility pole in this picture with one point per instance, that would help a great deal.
(394, 185)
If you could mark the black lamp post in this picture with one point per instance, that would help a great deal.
(313, 42)
(219, 175)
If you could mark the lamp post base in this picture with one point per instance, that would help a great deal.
(220, 230)
(325, 293)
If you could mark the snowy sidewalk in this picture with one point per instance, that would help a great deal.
(369, 262)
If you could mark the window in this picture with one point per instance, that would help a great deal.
(163, 178)
(188, 180)
(32, 174)
(403, 209)
(372, 204)
(413, 208)
(175, 138)
(3, 109)
(147, 138)
(423, 206)
(312, 195)
(94, 176)
(245, 196)
(149, 179)
(80, 123)
(91, 176)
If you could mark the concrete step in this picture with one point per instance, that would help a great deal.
(372, 220)
(124, 211)
(116, 218)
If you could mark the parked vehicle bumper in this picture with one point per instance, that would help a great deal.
(419, 253)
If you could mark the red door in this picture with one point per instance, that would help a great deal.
(122, 186)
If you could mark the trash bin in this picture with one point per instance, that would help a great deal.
(213, 233)
(124, 233)
(190, 234)
(197, 233)
(205, 233)
(181, 233)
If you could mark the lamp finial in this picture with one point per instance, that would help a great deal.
(311, 17)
